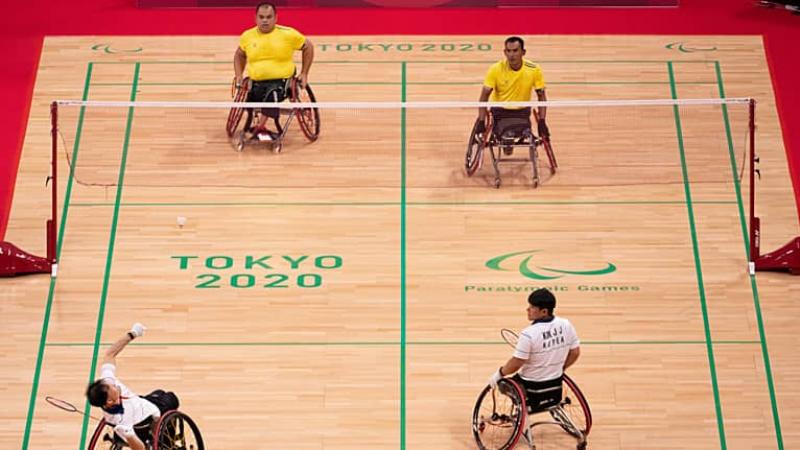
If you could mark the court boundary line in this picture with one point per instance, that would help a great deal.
(431, 61)
(110, 254)
(387, 343)
(698, 264)
(51, 291)
(762, 333)
(762, 342)
(411, 203)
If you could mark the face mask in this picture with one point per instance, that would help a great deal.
(116, 409)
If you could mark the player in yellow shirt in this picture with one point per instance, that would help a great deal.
(513, 80)
(267, 51)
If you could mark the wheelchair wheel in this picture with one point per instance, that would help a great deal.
(104, 438)
(499, 416)
(307, 117)
(235, 115)
(177, 431)
(548, 149)
(575, 406)
(477, 142)
(533, 156)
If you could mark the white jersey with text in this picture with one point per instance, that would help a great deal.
(135, 408)
(544, 346)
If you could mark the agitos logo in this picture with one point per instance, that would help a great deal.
(531, 270)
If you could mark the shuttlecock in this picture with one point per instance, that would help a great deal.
(181, 221)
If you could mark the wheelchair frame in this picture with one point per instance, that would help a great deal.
(478, 141)
(105, 433)
(308, 118)
(516, 393)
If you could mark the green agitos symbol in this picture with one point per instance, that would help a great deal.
(110, 50)
(681, 47)
(544, 273)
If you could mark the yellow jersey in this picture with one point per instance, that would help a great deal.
(510, 85)
(269, 55)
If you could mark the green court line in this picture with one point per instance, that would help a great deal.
(110, 254)
(697, 264)
(403, 259)
(432, 61)
(762, 334)
(423, 83)
(466, 203)
(51, 291)
(383, 343)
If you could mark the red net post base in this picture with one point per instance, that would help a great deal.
(784, 259)
(15, 261)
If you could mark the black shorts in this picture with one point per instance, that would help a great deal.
(165, 401)
(540, 395)
(269, 91)
(507, 119)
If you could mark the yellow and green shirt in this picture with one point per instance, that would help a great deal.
(269, 55)
(510, 85)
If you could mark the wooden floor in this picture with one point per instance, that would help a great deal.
(373, 323)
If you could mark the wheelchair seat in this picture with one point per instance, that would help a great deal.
(511, 128)
(542, 395)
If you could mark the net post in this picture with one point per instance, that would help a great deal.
(13, 260)
(755, 222)
(784, 259)
(52, 223)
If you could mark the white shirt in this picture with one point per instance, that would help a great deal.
(545, 345)
(136, 409)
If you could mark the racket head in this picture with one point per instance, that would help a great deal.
(61, 404)
(510, 337)
(67, 406)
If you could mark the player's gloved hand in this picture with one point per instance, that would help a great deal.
(544, 132)
(495, 378)
(137, 330)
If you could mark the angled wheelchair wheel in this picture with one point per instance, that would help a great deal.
(476, 144)
(104, 438)
(548, 149)
(576, 407)
(499, 416)
(307, 117)
(533, 156)
(177, 431)
(235, 115)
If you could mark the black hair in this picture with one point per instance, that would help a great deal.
(270, 4)
(516, 39)
(97, 393)
(543, 299)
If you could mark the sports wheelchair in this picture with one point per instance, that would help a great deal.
(173, 431)
(308, 118)
(502, 137)
(503, 415)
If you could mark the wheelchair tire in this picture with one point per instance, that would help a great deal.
(103, 438)
(499, 416)
(548, 149)
(307, 117)
(475, 146)
(171, 433)
(235, 114)
(575, 405)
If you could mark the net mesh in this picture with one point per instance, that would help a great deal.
(597, 144)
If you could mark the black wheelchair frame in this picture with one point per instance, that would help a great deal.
(500, 412)
(511, 136)
(308, 118)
